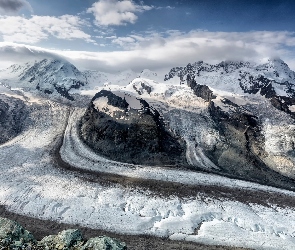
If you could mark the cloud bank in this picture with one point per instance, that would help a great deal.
(37, 28)
(174, 48)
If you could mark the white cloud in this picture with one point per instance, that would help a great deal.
(166, 7)
(110, 37)
(172, 48)
(114, 12)
(11, 53)
(124, 41)
(36, 28)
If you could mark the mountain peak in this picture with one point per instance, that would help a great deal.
(48, 75)
(239, 76)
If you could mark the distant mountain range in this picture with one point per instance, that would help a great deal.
(59, 77)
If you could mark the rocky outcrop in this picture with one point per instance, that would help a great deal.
(13, 112)
(273, 80)
(64, 240)
(127, 129)
(284, 103)
(252, 85)
(202, 91)
(242, 154)
(142, 87)
(14, 236)
(103, 243)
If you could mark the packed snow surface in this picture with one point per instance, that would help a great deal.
(31, 184)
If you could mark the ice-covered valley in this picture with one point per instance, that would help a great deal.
(44, 173)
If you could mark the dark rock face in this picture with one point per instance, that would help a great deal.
(202, 91)
(257, 84)
(243, 153)
(12, 114)
(146, 87)
(283, 103)
(130, 135)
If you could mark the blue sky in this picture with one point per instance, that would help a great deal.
(152, 32)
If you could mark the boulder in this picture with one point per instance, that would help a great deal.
(64, 240)
(12, 233)
(104, 243)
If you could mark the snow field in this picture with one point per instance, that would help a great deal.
(31, 184)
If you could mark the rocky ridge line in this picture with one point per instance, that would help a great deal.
(274, 80)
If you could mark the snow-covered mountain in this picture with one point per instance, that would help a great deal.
(219, 113)
(97, 78)
(58, 77)
(236, 118)
(51, 76)
(272, 77)
(214, 125)
(273, 80)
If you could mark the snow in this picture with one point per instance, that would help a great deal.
(102, 104)
(98, 78)
(77, 154)
(46, 75)
(31, 184)
(133, 102)
(292, 108)
(225, 76)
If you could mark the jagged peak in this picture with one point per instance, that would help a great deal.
(277, 63)
(239, 76)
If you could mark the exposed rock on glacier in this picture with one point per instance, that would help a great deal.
(128, 129)
(247, 103)
(202, 91)
(13, 112)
